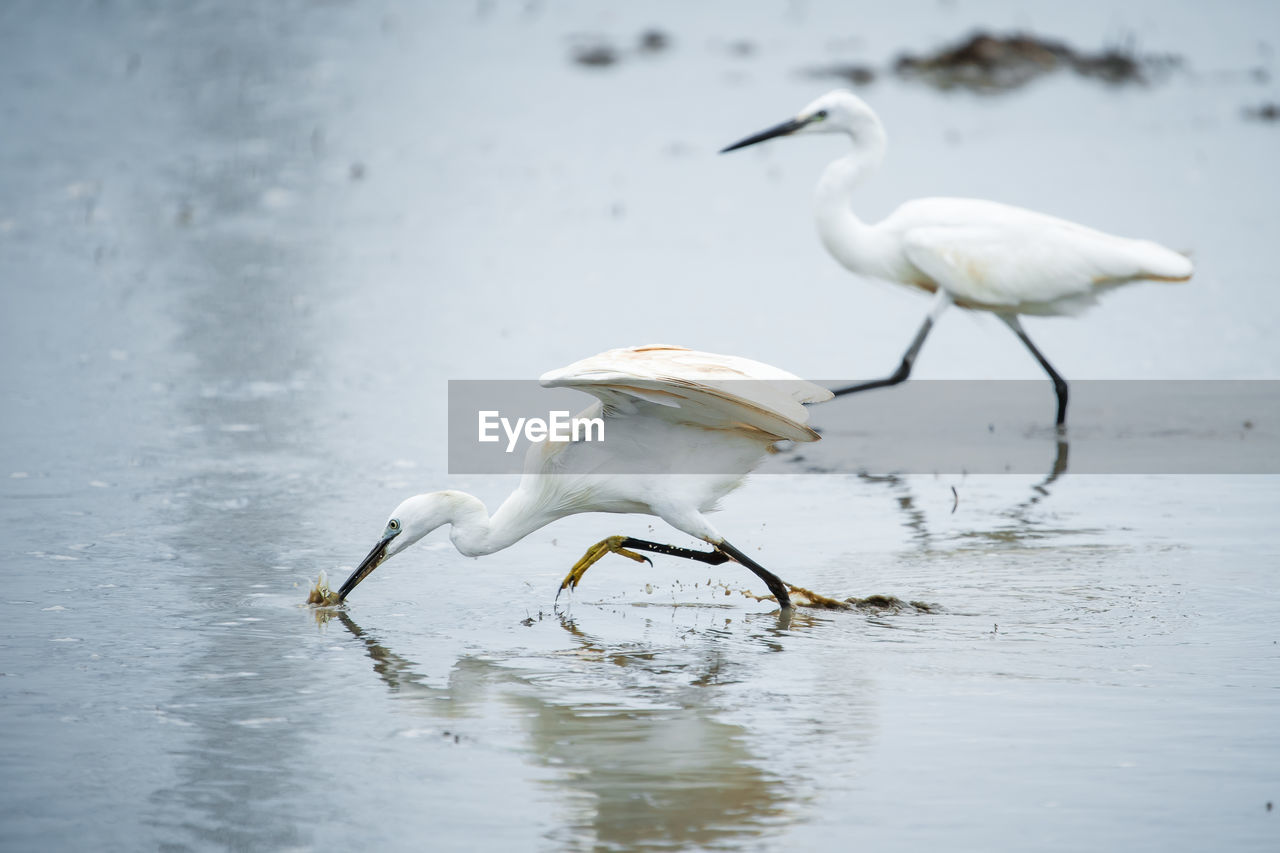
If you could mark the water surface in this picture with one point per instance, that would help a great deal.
(243, 248)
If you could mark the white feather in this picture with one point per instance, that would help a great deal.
(702, 389)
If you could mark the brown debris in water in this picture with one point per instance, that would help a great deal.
(891, 603)
(802, 597)
(870, 604)
(999, 63)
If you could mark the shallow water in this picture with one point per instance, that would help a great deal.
(242, 251)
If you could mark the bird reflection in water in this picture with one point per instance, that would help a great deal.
(1041, 489)
(1016, 522)
(656, 767)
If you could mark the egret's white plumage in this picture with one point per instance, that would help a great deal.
(977, 254)
(721, 392)
(667, 411)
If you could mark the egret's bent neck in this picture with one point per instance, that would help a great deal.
(475, 534)
(842, 232)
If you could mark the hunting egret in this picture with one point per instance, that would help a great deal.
(666, 410)
(980, 255)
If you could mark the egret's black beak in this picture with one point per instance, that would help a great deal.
(787, 127)
(371, 562)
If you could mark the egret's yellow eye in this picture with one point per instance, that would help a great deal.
(819, 115)
(393, 524)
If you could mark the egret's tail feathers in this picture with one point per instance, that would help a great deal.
(1161, 264)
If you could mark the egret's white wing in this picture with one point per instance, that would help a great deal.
(687, 386)
(995, 256)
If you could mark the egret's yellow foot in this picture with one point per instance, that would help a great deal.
(611, 545)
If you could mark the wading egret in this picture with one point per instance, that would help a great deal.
(667, 411)
(980, 255)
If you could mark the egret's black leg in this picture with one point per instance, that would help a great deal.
(940, 303)
(775, 584)
(711, 558)
(899, 375)
(1059, 384)
(724, 553)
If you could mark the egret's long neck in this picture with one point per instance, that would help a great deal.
(475, 533)
(846, 236)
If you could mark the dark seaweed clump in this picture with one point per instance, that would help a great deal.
(871, 604)
(890, 603)
(653, 41)
(852, 73)
(1265, 112)
(994, 63)
(600, 53)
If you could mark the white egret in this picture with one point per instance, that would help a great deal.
(980, 255)
(667, 411)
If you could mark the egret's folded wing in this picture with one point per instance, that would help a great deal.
(1040, 261)
(705, 389)
(981, 265)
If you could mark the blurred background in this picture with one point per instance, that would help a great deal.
(244, 247)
